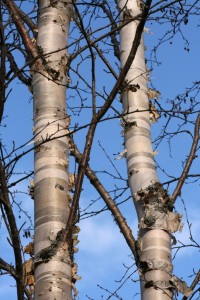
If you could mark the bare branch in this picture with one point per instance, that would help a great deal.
(194, 283)
(13, 9)
(8, 268)
(190, 159)
(14, 233)
(26, 19)
(106, 62)
(16, 71)
(113, 35)
(81, 26)
(2, 67)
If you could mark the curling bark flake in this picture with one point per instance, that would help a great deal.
(154, 243)
(52, 276)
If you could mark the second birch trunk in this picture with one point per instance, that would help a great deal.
(154, 244)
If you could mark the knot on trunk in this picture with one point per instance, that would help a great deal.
(157, 205)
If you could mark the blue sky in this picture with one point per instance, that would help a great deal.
(102, 249)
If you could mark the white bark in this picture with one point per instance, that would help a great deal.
(52, 279)
(155, 245)
(140, 159)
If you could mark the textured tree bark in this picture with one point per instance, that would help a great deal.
(53, 274)
(154, 244)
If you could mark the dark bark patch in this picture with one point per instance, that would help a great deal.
(158, 207)
(47, 253)
(59, 186)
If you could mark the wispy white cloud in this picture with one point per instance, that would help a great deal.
(102, 253)
(100, 236)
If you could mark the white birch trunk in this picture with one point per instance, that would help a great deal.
(154, 244)
(52, 279)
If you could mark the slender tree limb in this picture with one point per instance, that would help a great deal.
(190, 159)
(13, 9)
(15, 69)
(26, 19)
(19, 180)
(2, 67)
(113, 24)
(5, 217)
(82, 28)
(106, 62)
(177, 178)
(14, 234)
(120, 220)
(194, 283)
(8, 268)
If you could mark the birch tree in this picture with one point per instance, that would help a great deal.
(154, 206)
(51, 184)
(94, 50)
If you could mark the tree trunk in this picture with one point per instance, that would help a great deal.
(53, 274)
(154, 243)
